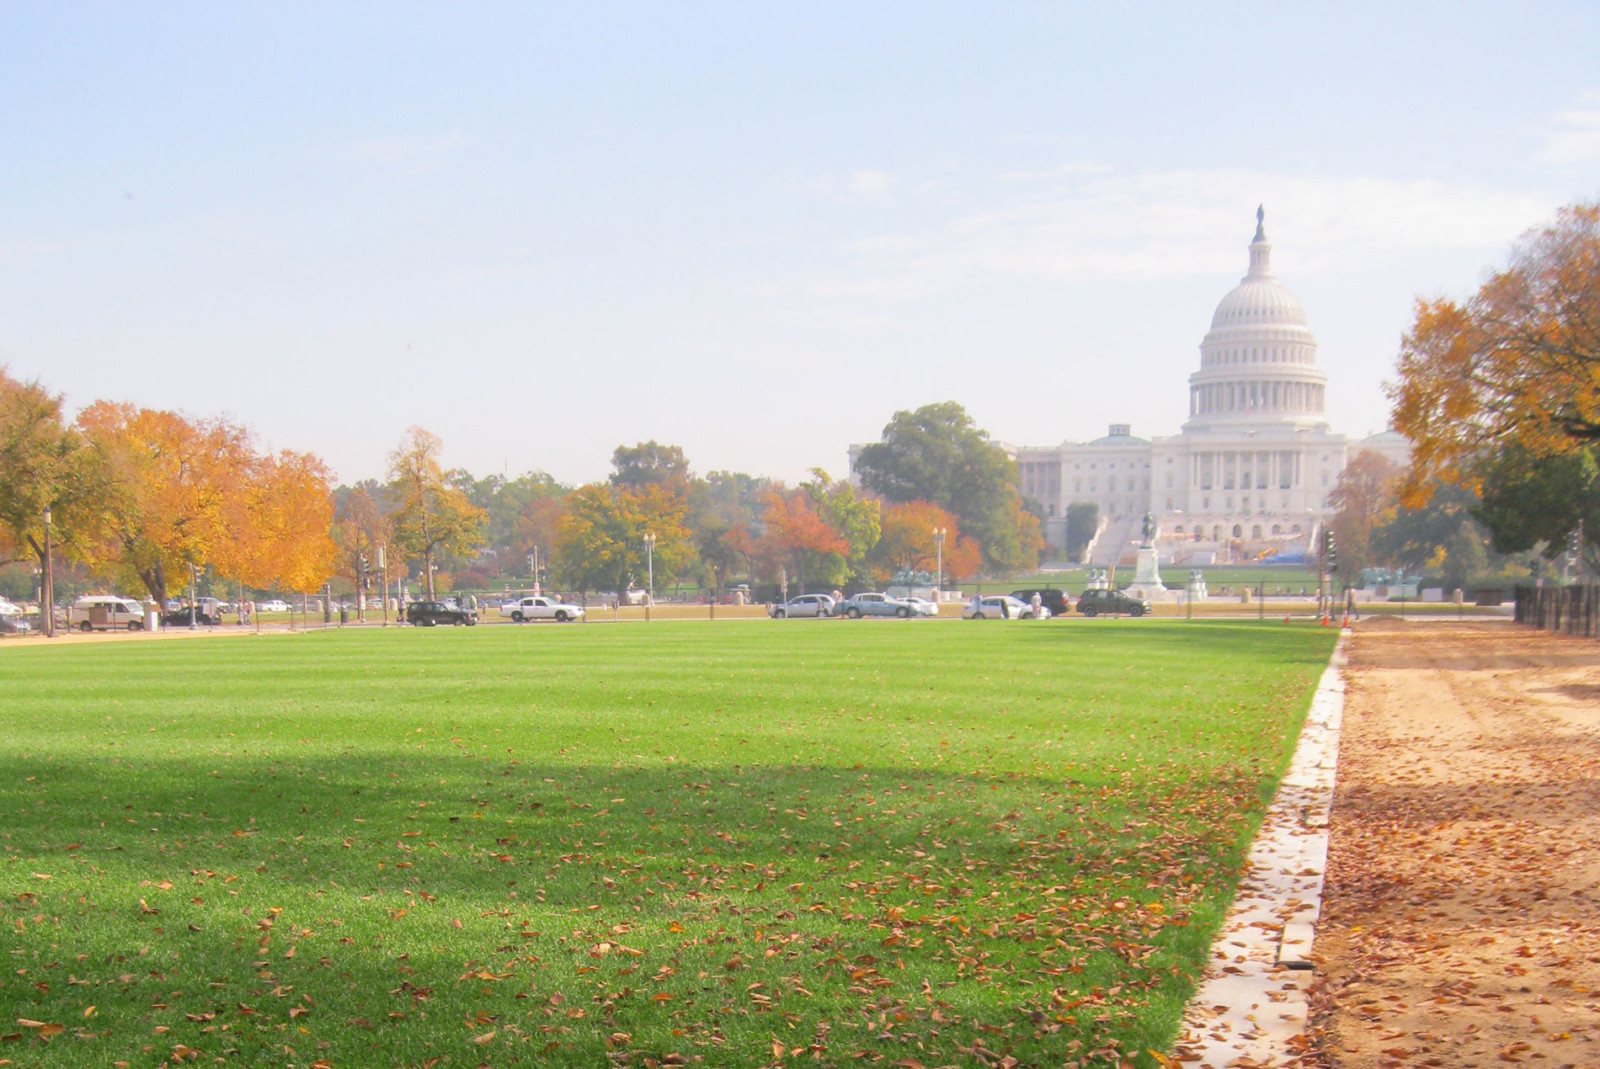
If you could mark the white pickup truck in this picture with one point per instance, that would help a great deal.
(540, 608)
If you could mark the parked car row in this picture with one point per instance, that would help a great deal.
(1017, 605)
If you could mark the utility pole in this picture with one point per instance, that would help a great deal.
(47, 587)
(650, 557)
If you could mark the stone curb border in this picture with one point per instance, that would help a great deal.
(1251, 1009)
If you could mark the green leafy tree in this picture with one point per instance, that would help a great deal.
(601, 536)
(1415, 538)
(937, 454)
(37, 458)
(1534, 503)
(855, 518)
(1464, 558)
(1082, 519)
(650, 464)
(724, 508)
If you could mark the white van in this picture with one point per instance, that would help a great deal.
(106, 612)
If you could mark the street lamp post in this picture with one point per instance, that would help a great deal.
(650, 563)
(383, 568)
(194, 592)
(47, 585)
(938, 574)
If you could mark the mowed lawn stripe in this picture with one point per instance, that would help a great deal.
(932, 840)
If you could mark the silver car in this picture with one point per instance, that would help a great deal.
(874, 605)
(805, 605)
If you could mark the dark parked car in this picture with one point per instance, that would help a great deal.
(432, 613)
(180, 618)
(1054, 600)
(1108, 602)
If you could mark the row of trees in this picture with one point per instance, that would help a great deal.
(140, 497)
(936, 494)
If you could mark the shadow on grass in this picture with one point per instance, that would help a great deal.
(1007, 911)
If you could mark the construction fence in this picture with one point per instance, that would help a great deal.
(1573, 609)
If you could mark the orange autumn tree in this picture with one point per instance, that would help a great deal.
(292, 507)
(908, 542)
(170, 487)
(797, 535)
(176, 492)
(1516, 365)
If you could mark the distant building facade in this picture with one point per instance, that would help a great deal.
(1250, 472)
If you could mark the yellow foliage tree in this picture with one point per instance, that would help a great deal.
(290, 547)
(431, 516)
(601, 535)
(1517, 364)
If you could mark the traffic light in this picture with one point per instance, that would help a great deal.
(1332, 552)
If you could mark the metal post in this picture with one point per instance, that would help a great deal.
(938, 575)
(194, 583)
(47, 585)
(650, 558)
(383, 567)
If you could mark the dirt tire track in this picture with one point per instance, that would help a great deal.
(1461, 917)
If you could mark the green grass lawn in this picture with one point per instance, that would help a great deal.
(907, 842)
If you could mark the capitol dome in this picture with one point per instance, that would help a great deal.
(1258, 363)
(1257, 301)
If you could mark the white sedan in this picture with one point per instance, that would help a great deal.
(273, 606)
(805, 605)
(922, 607)
(541, 608)
(1001, 607)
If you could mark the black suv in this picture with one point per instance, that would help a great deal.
(433, 613)
(180, 618)
(1095, 602)
(1054, 600)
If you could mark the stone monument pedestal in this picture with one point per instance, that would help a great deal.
(1147, 576)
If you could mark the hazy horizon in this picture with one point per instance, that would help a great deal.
(754, 233)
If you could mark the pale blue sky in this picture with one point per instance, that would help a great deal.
(752, 230)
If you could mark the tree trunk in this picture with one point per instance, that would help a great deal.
(155, 581)
(427, 564)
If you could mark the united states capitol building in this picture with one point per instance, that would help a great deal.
(1249, 474)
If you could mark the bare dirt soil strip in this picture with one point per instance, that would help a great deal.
(1461, 918)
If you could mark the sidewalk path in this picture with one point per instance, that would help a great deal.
(1461, 918)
